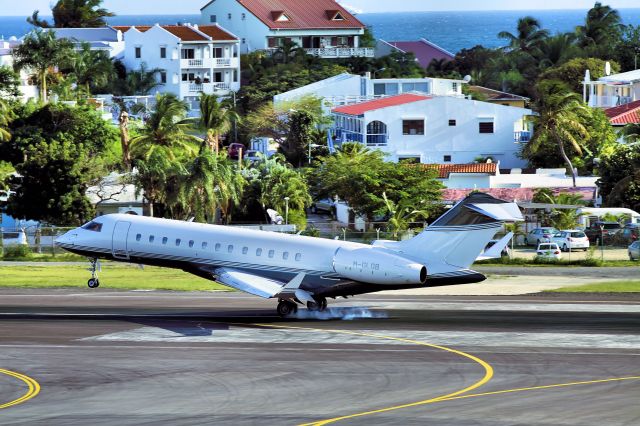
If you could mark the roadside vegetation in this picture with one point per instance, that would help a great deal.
(631, 286)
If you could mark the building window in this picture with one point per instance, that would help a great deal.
(213, 18)
(204, 246)
(272, 253)
(178, 241)
(229, 15)
(413, 127)
(486, 127)
(259, 252)
(298, 257)
(452, 123)
(138, 52)
(163, 52)
(244, 41)
(217, 77)
(218, 246)
(217, 52)
(188, 76)
(235, 76)
(245, 250)
(454, 87)
(244, 16)
(447, 158)
(138, 237)
(191, 243)
(151, 238)
(164, 240)
(163, 77)
(188, 53)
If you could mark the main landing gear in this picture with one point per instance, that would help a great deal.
(93, 281)
(288, 307)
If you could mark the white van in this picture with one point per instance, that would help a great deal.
(14, 238)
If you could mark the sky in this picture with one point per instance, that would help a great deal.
(189, 7)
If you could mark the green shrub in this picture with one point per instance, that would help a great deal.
(17, 251)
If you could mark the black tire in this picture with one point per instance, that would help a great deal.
(286, 308)
(93, 283)
(313, 306)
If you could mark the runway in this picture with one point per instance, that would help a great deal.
(143, 358)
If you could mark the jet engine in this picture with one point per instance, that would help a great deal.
(377, 267)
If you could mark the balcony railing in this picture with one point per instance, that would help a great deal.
(222, 62)
(208, 88)
(608, 101)
(522, 137)
(377, 140)
(341, 52)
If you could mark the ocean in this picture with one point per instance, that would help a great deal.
(451, 30)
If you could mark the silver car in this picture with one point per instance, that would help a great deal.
(539, 235)
(634, 250)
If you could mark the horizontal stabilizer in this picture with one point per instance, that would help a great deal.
(507, 212)
(495, 251)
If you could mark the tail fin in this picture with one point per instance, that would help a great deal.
(456, 238)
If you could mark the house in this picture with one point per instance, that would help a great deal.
(497, 97)
(435, 129)
(424, 50)
(107, 39)
(193, 59)
(114, 195)
(612, 90)
(347, 89)
(321, 27)
(28, 91)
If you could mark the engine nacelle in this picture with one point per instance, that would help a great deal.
(378, 267)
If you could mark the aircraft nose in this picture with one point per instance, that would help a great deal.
(66, 239)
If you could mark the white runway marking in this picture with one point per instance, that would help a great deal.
(203, 334)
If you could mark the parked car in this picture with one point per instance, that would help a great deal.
(548, 251)
(251, 155)
(602, 232)
(234, 150)
(324, 205)
(539, 235)
(634, 251)
(571, 239)
(17, 238)
(627, 235)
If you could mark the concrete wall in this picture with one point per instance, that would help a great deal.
(251, 31)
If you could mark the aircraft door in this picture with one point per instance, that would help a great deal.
(119, 240)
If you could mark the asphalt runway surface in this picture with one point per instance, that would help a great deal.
(147, 358)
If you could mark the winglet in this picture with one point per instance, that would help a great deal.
(294, 284)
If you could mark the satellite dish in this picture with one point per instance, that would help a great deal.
(587, 76)
(607, 68)
(467, 78)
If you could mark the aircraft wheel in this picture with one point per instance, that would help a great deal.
(286, 308)
(93, 283)
(319, 305)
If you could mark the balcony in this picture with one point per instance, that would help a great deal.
(342, 52)
(608, 101)
(222, 62)
(191, 88)
(522, 136)
(377, 140)
(209, 63)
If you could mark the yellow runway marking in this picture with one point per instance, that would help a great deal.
(487, 369)
(34, 388)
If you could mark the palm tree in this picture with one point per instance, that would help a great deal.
(5, 118)
(138, 82)
(558, 49)
(602, 25)
(216, 118)
(564, 218)
(74, 14)
(282, 182)
(631, 132)
(165, 131)
(40, 51)
(401, 214)
(561, 113)
(91, 68)
(528, 37)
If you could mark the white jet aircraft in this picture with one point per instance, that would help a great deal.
(297, 269)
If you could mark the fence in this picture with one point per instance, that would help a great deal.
(39, 240)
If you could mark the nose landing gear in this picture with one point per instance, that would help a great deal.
(95, 266)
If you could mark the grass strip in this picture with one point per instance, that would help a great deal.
(627, 286)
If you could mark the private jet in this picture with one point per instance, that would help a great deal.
(298, 270)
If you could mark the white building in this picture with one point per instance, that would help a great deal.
(435, 129)
(27, 90)
(346, 89)
(107, 39)
(193, 59)
(322, 27)
(612, 90)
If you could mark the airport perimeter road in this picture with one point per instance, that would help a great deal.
(148, 358)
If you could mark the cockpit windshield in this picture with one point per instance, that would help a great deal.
(93, 226)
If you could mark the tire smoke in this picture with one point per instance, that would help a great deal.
(340, 313)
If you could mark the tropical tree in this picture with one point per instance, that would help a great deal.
(282, 182)
(601, 30)
(6, 114)
(565, 218)
(165, 131)
(40, 52)
(558, 49)
(529, 35)
(216, 118)
(9, 82)
(138, 82)
(631, 132)
(561, 114)
(74, 14)
(92, 69)
(400, 215)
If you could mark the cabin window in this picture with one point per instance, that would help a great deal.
(285, 255)
(245, 250)
(178, 241)
(230, 248)
(151, 238)
(191, 243)
(218, 247)
(271, 254)
(164, 240)
(298, 257)
(138, 237)
(204, 246)
(259, 252)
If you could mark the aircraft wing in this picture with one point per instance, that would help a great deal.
(495, 251)
(257, 285)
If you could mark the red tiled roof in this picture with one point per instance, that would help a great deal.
(361, 108)
(624, 114)
(125, 28)
(184, 33)
(303, 14)
(216, 33)
(444, 170)
(424, 51)
(515, 194)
